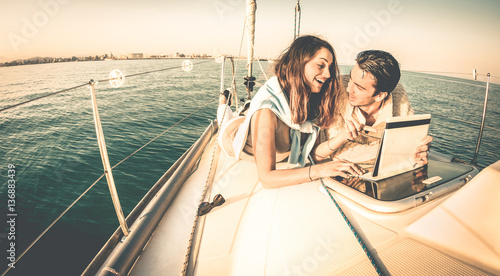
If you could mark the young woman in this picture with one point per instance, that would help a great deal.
(287, 113)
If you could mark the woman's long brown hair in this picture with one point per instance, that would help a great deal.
(290, 72)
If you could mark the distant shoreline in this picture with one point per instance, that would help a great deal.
(43, 60)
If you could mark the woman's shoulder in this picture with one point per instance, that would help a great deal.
(264, 114)
(264, 118)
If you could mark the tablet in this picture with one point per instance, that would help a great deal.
(400, 139)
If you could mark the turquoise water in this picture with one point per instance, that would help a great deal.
(52, 143)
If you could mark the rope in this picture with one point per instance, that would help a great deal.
(296, 26)
(203, 195)
(205, 188)
(360, 241)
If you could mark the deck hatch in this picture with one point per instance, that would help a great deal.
(405, 190)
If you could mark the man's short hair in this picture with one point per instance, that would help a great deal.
(383, 66)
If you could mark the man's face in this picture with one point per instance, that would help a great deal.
(361, 88)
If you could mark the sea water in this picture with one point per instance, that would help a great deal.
(51, 143)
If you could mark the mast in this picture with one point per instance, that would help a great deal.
(250, 27)
(296, 27)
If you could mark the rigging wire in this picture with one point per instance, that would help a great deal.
(262, 69)
(239, 52)
(438, 72)
(82, 85)
(463, 121)
(116, 165)
(260, 65)
(460, 82)
(45, 96)
(168, 129)
(451, 73)
(258, 59)
(160, 70)
(123, 160)
(95, 182)
(296, 33)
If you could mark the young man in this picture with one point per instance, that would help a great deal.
(372, 94)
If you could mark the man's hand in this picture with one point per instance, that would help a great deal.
(423, 151)
(353, 128)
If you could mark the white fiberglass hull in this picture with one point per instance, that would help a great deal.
(298, 230)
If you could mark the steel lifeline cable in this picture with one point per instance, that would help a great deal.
(116, 165)
(85, 84)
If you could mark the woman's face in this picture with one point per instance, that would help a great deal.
(317, 70)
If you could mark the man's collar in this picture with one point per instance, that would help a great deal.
(384, 112)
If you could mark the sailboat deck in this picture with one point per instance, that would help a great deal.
(295, 230)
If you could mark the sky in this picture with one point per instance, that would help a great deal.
(425, 35)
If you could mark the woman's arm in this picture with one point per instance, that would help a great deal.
(263, 128)
(323, 150)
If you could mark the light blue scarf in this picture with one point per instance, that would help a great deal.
(271, 96)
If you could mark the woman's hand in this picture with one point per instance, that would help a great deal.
(341, 168)
(423, 151)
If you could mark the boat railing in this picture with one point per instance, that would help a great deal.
(124, 222)
(132, 245)
(115, 79)
(474, 159)
(483, 116)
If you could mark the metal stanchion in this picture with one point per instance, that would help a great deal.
(105, 161)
